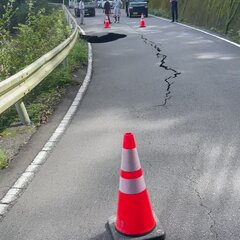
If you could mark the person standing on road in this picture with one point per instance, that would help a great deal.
(127, 2)
(174, 9)
(117, 10)
(81, 9)
(76, 8)
(107, 10)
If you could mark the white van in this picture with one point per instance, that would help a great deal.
(70, 3)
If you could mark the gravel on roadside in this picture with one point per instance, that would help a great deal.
(19, 135)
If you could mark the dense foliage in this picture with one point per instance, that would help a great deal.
(22, 10)
(3, 159)
(39, 34)
(222, 16)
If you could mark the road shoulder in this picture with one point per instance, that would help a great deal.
(29, 140)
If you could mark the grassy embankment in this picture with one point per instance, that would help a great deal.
(38, 35)
(222, 17)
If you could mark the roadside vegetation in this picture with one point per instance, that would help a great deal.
(42, 100)
(21, 7)
(220, 16)
(3, 159)
(21, 45)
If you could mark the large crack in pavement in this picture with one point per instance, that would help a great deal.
(163, 65)
(168, 96)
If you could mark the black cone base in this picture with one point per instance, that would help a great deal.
(156, 234)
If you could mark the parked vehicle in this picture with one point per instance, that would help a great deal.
(70, 4)
(137, 8)
(90, 8)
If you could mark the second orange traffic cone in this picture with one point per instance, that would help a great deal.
(106, 22)
(135, 217)
(142, 21)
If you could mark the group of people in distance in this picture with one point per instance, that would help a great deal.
(117, 4)
(107, 9)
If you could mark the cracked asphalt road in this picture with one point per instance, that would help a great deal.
(162, 64)
(177, 90)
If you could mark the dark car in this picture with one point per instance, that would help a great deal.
(137, 8)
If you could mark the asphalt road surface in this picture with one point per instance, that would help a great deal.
(177, 90)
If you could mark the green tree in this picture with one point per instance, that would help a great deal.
(5, 37)
(219, 15)
(39, 34)
(233, 7)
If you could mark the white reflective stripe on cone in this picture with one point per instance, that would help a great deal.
(132, 186)
(130, 161)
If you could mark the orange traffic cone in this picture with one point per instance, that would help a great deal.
(142, 22)
(135, 217)
(106, 22)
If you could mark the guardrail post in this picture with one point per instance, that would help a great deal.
(22, 113)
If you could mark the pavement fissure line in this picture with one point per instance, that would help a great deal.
(200, 199)
(163, 65)
(209, 214)
(209, 211)
(167, 97)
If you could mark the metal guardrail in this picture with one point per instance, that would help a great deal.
(14, 88)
